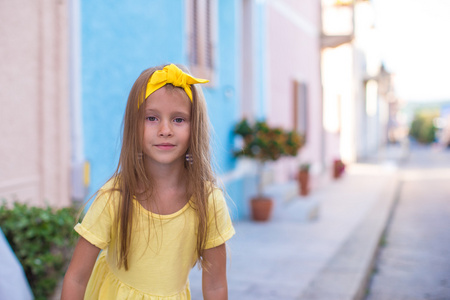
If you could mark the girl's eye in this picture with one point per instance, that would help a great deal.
(178, 120)
(151, 118)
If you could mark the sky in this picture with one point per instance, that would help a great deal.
(415, 45)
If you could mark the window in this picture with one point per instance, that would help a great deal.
(301, 108)
(202, 27)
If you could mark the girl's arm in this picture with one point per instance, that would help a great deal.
(79, 271)
(214, 276)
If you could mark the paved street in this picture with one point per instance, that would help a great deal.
(415, 261)
(292, 257)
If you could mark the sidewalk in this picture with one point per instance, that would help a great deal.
(330, 257)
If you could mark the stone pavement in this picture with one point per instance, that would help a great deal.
(414, 262)
(327, 257)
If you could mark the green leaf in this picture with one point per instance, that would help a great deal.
(42, 239)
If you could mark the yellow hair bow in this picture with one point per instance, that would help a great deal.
(174, 75)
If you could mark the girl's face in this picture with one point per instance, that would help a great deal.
(166, 127)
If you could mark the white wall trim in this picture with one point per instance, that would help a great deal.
(75, 82)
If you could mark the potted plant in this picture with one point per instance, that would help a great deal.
(264, 143)
(303, 179)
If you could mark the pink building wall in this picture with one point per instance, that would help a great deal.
(34, 118)
(293, 42)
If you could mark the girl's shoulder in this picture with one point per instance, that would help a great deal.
(111, 185)
(108, 194)
(211, 188)
(216, 194)
(213, 194)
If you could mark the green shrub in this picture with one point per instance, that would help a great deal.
(42, 239)
(265, 143)
(422, 128)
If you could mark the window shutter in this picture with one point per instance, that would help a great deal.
(301, 108)
(202, 20)
(209, 41)
(195, 31)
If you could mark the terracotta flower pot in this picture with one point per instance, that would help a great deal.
(261, 208)
(303, 180)
(336, 173)
(338, 168)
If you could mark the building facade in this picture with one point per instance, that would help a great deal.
(34, 94)
(66, 81)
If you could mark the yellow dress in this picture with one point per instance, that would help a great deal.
(160, 259)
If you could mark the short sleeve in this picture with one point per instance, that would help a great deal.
(220, 227)
(96, 225)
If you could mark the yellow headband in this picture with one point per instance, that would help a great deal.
(174, 75)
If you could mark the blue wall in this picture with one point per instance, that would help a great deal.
(261, 86)
(223, 98)
(121, 39)
(118, 42)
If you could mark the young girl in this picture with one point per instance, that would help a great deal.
(161, 212)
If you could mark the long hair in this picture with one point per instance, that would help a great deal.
(130, 173)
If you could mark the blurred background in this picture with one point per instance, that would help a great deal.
(355, 78)
(350, 76)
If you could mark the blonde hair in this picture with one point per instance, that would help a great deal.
(130, 173)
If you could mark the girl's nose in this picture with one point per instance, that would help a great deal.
(165, 129)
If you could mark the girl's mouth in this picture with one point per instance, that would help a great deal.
(165, 146)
